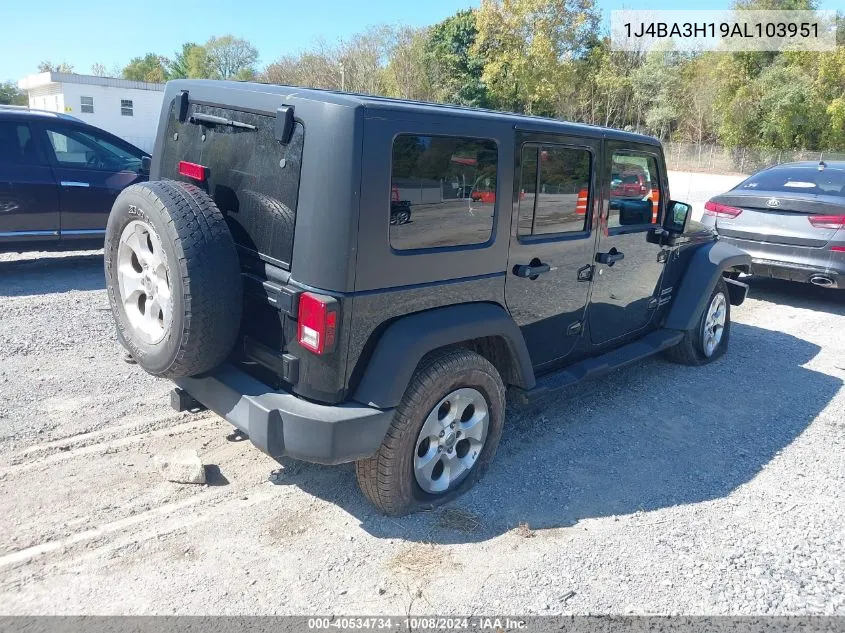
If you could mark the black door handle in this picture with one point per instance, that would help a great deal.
(532, 270)
(610, 258)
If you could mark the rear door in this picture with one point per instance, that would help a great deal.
(29, 197)
(787, 205)
(91, 170)
(551, 247)
(628, 268)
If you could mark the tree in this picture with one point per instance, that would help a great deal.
(150, 67)
(407, 75)
(657, 85)
(49, 67)
(98, 70)
(191, 62)
(229, 57)
(453, 67)
(529, 48)
(10, 95)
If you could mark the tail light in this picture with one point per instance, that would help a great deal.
(827, 221)
(719, 210)
(317, 322)
(192, 170)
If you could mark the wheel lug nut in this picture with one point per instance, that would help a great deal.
(452, 426)
(458, 434)
(439, 449)
(442, 433)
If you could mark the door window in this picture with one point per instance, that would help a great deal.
(634, 190)
(17, 147)
(554, 191)
(73, 148)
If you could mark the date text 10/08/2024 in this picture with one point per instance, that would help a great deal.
(722, 29)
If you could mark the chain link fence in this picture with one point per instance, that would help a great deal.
(715, 159)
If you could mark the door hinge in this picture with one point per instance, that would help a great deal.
(652, 303)
(574, 328)
(663, 256)
(585, 273)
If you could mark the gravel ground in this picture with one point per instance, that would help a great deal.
(659, 489)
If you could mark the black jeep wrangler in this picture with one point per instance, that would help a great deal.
(263, 269)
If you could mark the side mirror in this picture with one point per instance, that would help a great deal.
(677, 219)
(675, 223)
(146, 163)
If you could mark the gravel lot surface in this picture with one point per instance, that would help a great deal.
(659, 489)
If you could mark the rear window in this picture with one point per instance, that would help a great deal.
(253, 178)
(828, 182)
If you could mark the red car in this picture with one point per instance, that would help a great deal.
(629, 184)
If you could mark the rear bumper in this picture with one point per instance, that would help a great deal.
(281, 424)
(821, 276)
(793, 263)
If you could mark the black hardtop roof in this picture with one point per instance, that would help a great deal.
(353, 100)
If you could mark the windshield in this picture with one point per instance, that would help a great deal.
(830, 181)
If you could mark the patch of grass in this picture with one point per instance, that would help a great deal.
(420, 559)
(458, 520)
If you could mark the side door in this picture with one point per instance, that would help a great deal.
(91, 170)
(552, 242)
(29, 196)
(626, 287)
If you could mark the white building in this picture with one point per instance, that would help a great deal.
(128, 109)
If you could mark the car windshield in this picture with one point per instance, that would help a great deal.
(829, 181)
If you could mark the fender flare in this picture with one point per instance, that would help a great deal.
(405, 341)
(705, 267)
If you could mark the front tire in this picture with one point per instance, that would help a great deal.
(709, 339)
(444, 434)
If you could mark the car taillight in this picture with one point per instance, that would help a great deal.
(317, 322)
(192, 170)
(827, 221)
(720, 210)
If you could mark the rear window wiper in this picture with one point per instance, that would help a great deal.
(219, 120)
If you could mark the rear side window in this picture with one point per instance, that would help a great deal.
(17, 147)
(829, 181)
(443, 191)
(253, 178)
(554, 190)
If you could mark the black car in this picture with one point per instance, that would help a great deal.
(261, 270)
(59, 178)
(791, 220)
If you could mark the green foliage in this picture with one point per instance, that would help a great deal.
(150, 67)
(10, 95)
(529, 48)
(190, 62)
(452, 62)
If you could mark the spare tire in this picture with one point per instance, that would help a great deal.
(173, 278)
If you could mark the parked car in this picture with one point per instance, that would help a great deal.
(400, 210)
(59, 178)
(790, 219)
(629, 184)
(260, 270)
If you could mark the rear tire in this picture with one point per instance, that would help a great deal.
(697, 347)
(173, 278)
(391, 478)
